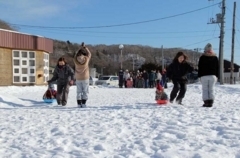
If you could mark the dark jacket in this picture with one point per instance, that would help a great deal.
(208, 65)
(62, 74)
(145, 76)
(178, 71)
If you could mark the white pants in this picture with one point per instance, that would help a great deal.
(82, 89)
(208, 83)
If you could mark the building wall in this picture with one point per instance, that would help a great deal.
(6, 70)
(39, 68)
(228, 74)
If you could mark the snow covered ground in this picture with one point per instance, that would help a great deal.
(119, 123)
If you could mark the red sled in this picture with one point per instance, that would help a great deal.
(162, 102)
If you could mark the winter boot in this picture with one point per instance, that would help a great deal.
(205, 103)
(179, 101)
(84, 103)
(79, 102)
(210, 103)
(64, 103)
(59, 102)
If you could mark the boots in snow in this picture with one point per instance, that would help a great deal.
(84, 103)
(79, 102)
(208, 103)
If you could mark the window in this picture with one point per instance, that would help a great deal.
(24, 71)
(24, 66)
(24, 79)
(31, 78)
(16, 71)
(31, 62)
(24, 54)
(16, 79)
(46, 67)
(15, 54)
(32, 71)
(31, 54)
(16, 62)
(24, 62)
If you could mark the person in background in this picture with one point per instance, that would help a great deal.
(64, 75)
(145, 77)
(208, 70)
(164, 78)
(159, 77)
(151, 79)
(177, 72)
(120, 78)
(126, 76)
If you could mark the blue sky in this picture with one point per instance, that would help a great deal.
(79, 20)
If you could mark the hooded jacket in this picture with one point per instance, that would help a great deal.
(208, 65)
(63, 74)
(82, 70)
(178, 71)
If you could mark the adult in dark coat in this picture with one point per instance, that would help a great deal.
(177, 72)
(64, 75)
(208, 70)
(120, 78)
(145, 77)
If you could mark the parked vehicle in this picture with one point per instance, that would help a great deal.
(107, 80)
(91, 82)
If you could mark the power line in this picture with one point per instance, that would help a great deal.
(200, 42)
(116, 25)
(140, 33)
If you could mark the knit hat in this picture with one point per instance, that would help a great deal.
(208, 48)
(159, 87)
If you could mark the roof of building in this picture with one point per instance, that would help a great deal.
(18, 40)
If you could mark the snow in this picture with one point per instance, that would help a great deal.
(119, 123)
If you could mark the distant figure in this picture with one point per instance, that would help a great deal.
(126, 76)
(129, 83)
(164, 78)
(208, 69)
(159, 78)
(145, 77)
(177, 72)
(120, 78)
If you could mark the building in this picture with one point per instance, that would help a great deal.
(24, 58)
(236, 72)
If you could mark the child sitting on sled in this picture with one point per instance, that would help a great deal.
(51, 93)
(161, 97)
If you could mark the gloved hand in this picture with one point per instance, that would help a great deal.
(71, 82)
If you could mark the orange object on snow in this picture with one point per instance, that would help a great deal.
(162, 102)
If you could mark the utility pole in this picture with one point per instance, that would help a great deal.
(233, 42)
(220, 20)
(162, 59)
(221, 60)
(133, 62)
